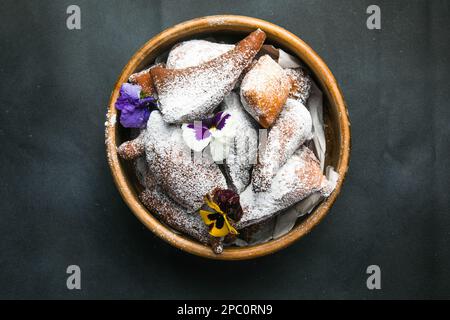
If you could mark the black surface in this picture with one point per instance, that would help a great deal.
(59, 205)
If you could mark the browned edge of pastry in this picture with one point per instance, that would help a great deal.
(251, 43)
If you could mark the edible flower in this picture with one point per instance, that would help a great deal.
(217, 220)
(134, 106)
(216, 131)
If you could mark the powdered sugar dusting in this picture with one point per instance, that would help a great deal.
(175, 216)
(111, 119)
(243, 154)
(109, 123)
(133, 78)
(184, 180)
(194, 52)
(217, 21)
(190, 94)
(300, 84)
(297, 179)
(264, 90)
(192, 97)
(291, 129)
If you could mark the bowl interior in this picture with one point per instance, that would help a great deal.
(334, 129)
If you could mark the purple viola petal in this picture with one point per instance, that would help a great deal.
(222, 121)
(216, 119)
(129, 97)
(125, 104)
(201, 131)
(134, 110)
(135, 119)
(147, 101)
(212, 121)
(205, 134)
(130, 91)
(201, 128)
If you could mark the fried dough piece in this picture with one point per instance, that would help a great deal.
(191, 93)
(184, 180)
(194, 52)
(264, 91)
(243, 153)
(144, 79)
(174, 215)
(297, 179)
(300, 84)
(130, 150)
(292, 128)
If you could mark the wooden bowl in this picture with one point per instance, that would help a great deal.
(337, 127)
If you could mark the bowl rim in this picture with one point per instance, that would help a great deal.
(316, 65)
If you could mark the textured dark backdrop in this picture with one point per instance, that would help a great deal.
(59, 206)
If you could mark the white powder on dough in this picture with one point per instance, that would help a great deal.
(297, 179)
(264, 90)
(291, 129)
(174, 215)
(192, 93)
(194, 96)
(110, 119)
(169, 160)
(243, 153)
(194, 52)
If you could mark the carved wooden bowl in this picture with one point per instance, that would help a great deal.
(337, 127)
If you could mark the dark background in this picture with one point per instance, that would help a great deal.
(59, 206)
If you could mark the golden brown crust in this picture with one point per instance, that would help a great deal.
(144, 79)
(146, 83)
(248, 47)
(130, 150)
(300, 84)
(264, 91)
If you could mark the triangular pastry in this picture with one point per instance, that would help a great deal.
(264, 90)
(297, 179)
(191, 93)
(144, 79)
(174, 215)
(183, 179)
(291, 129)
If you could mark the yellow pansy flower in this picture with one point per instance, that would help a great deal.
(216, 219)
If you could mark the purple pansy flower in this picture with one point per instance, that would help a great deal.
(215, 131)
(134, 108)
